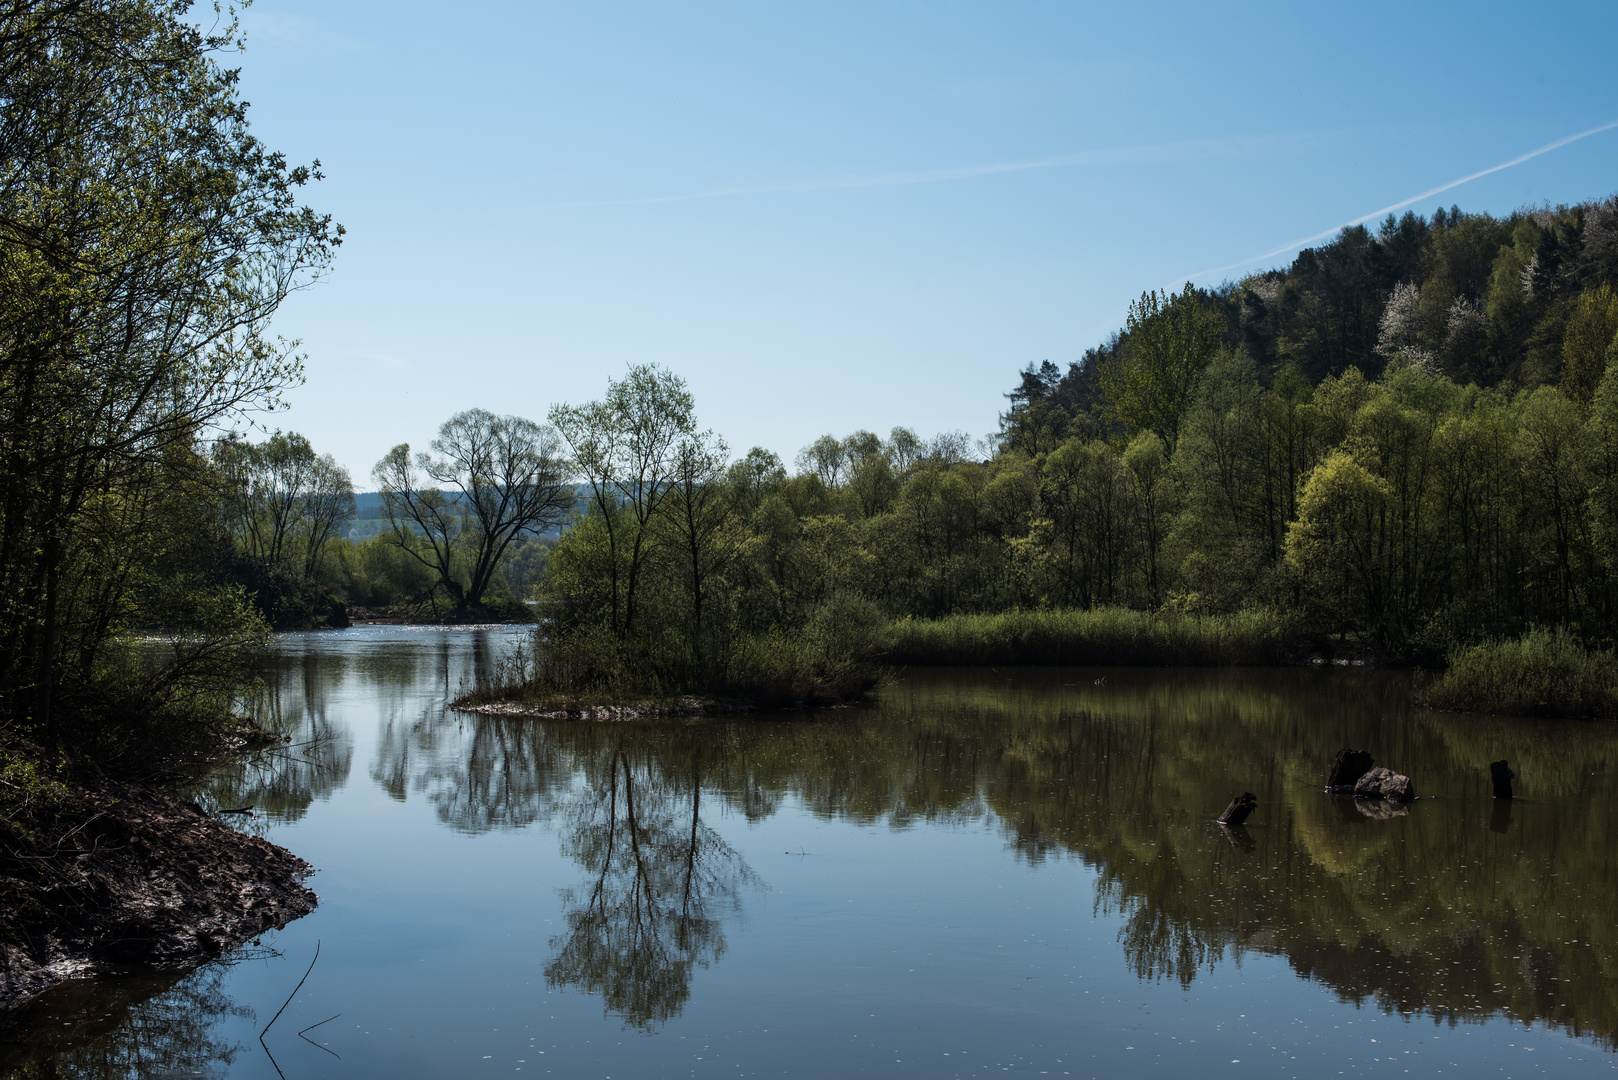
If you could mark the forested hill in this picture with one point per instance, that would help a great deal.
(1528, 299)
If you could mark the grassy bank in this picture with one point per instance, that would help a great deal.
(1104, 636)
(1542, 673)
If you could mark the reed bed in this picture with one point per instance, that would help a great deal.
(1101, 636)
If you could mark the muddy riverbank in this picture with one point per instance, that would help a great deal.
(117, 876)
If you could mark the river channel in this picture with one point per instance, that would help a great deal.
(981, 872)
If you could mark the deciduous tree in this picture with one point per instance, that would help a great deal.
(146, 238)
(1171, 339)
(625, 447)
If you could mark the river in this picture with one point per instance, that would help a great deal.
(981, 872)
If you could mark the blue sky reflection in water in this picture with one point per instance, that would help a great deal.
(986, 872)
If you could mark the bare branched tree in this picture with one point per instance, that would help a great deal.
(498, 477)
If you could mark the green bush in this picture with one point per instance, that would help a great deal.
(826, 663)
(1542, 673)
(1102, 636)
(375, 572)
(27, 788)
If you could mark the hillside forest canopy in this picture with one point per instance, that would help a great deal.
(1404, 440)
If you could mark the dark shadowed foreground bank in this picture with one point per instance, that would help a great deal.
(111, 875)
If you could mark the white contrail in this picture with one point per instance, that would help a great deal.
(1401, 204)
(829, 183)
(1123, 155)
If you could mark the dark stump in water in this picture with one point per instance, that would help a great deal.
(1242, 805)
(1346, 769)
(1501, 774)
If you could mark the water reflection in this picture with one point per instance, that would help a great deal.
(659, 880)
(627, 803)
(1447, 908)
(1450, 908)
(280, 783)
(139, 1027)
(1460, 906)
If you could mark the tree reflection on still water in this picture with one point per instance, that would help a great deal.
(133, 1028)
(1456, 907)
(1459, 908)
(659, 878)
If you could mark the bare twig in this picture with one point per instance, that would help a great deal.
(312, 1042)
(288, 1001)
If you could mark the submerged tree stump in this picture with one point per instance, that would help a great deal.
(1501, 774)
(1242, 805)
(1346, 769)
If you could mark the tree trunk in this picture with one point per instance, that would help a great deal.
(1240, 806)
(1501, 774)
(1346, 769)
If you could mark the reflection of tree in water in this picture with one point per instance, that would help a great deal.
(508, 774)
(481, 773)
(128, 1029)
(1453, 910)
(628, 802)
(283, 780)
(658, 877)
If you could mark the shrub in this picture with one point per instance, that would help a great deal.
(825, 663)
(1542, 673)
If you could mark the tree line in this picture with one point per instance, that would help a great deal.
(1407, 435)
(1193, 465)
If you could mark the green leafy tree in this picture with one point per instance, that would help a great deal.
(1147, 461)
(1550, 449)
(282, 501)
(424, 523)
(499, 479)
(1339, 544)
(1084, 490)
(701, 516)
(146, 239)
(510, 481)
(1601, 454)
(1592, 328)
(626, 448)
(1171, 340)
(826, 458)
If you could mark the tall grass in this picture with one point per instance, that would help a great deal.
(1542, 673)
(1103, 636)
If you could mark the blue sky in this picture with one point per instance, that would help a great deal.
(834, 216)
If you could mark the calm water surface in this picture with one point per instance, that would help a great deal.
(984, 872)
